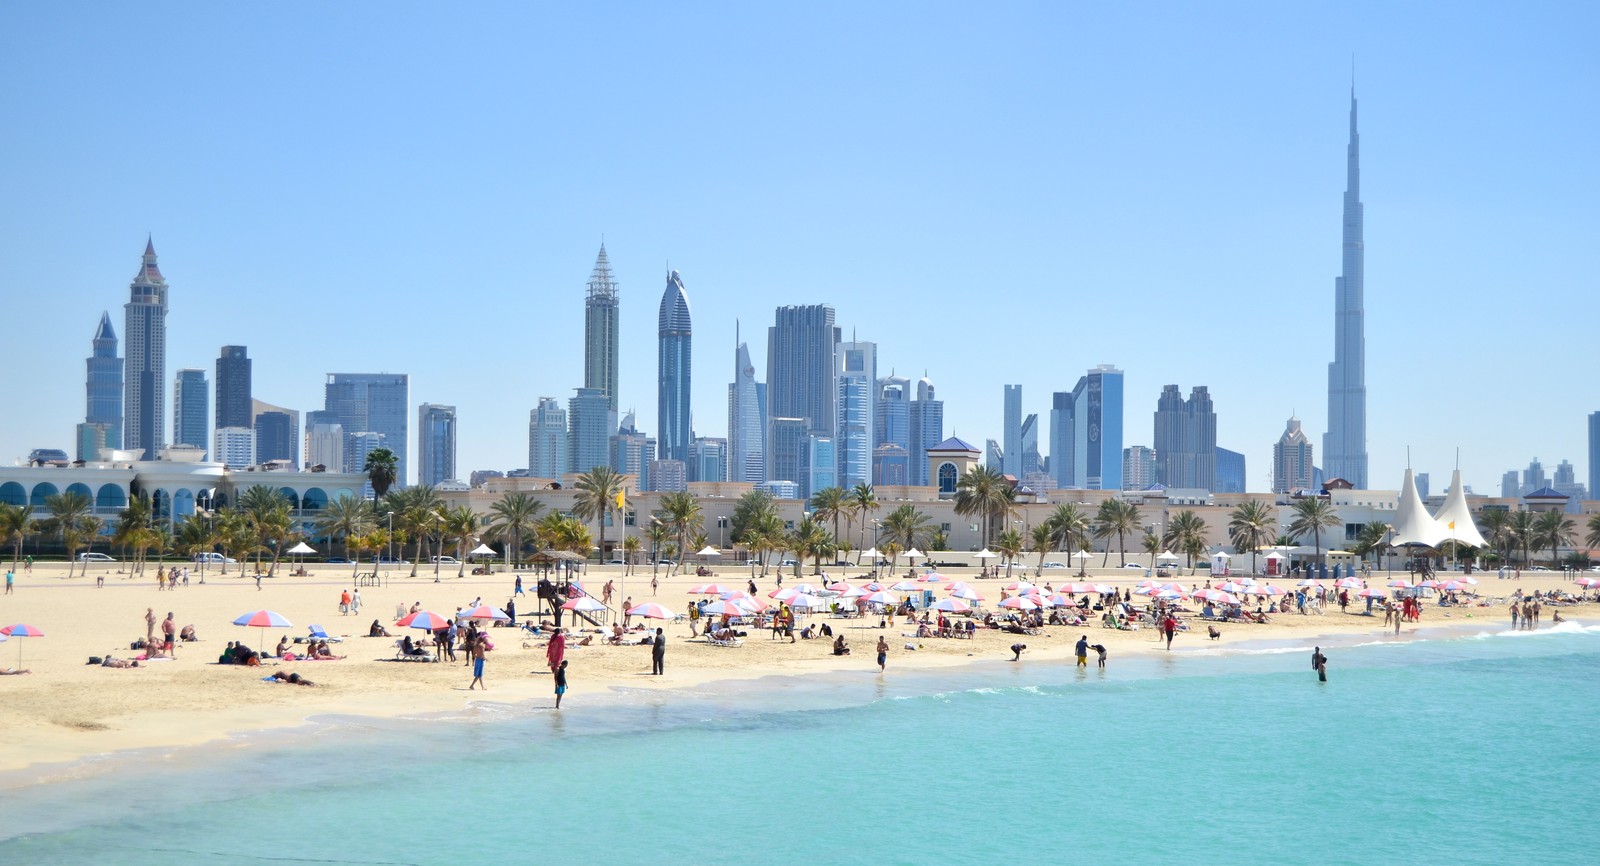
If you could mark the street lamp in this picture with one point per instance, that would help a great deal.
(438, 521)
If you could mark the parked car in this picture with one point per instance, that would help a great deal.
(383, 560)
(667, 562)
(1133, 565)
(337, 560)
(214, 559)
(615, 562)
(445, 560)
(91, 556)
(787, 563)
(1055, 565)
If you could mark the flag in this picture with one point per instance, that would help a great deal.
(622, 504)
(1452, 525)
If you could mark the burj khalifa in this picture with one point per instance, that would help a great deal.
(1344, 446)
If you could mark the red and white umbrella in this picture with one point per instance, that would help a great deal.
(263, 619)
(1020, 602)
(806, 601)
(1428, 584)
(1455, 586)
(1350, 583)
(1216, 595)
(1237, 587)
(1104, 588)
(723, 608)
(1372, 593)
(1078, 588)
(426, 620)
(952, 605)
(1588, 582)
(807, 588)
(709, 589)
(906, 586)
(874, 586)
(1400, 584)
(21, 629)
(652, 610)
(854, 592)
(1017, 586)
(1172, 594)
(841, 586)
(784, 594)
(1314, 583)
(1268, 589)
(930, 577)
(734, 595)
(882, 597)
(583, 603)
(1059, 600)
(966, 592)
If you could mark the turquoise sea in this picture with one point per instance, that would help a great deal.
(1450, 749)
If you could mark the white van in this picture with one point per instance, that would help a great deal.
(214, 559)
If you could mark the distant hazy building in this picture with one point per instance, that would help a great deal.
(436, 444)
(357, 446)
(1138, 467)
(674, 375)
(600, 332)
(1344, 446)
(787, 442)
(1565, 482)
(1011, 432)
(589, 427)
(191, 409)
(632, 452)
(668, 476)
(1533, 478)
(145, 371)
(233, 388)
(891, 423)
(547, 440)
(371, 403)
(927, 430)
(1230, 472)
(1422, 481)
(1086, 432)
(822, 464)
(324, 442)
(1029, 464)
(103, 386)
(235, 446)
(802, 372)
(1292, 459)
(1186, 439)
(891, 465)
(994, 458)
(1594, 454)
(747, 427)
(708, 459)
(1509, 488)
(858, 388)
(277, 432)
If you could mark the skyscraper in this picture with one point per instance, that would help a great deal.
(1594, 455)
(1011, 433)
(1086, 432)
(233, 388)
(673, 383)
(600, 340)
(371, 403)
(102, 420)
(632, 452)
(324, 440)
(191, 409)
(788, 451)
(802, 372)
(1230, 472)
(747, 429)
(927, 430)
(1344, 447)
(547, 440)
(277, 432)
(858, 386)
(1186, 439)
(235, 447)
(1029, 464)
(708, 459)
(436, 444)
(1138, 467)
(1292, 459)
(589, 429)
(144, 404)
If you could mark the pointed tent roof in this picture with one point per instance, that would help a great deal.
(954, 444)
(1412, 523)
(1456, 517)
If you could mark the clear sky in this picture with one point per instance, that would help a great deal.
(994, 193)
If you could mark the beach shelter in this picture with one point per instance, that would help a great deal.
(263, 619)
(1413, 525)
(1456, 517)
(21, 629)
(986, 553)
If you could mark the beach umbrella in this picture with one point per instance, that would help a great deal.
(1236, 587)
(1588, 582)
(426, 620)
(709, 589)
(1455, 586)
(806, 602)
(966, 592)
(1371, 593)
(652, 610)
(930, 577)
(723, 608)
(1170, 594)
(986, 553)
(734, 595)
(1268, 589)
(708, 550)
(841, 586)
(583, 603)
(1059, 600)
(807, 588)
(854, 592)
(1080, 588)
(882, 597)
(873, 586)
(1313, 583)
(1082, 555)
(784, 594)
(21, 629)
(1428, 584)
(1020, 602)
(1018, 586)
(906, 586)
(489, 611)
(1399, 584)
(1166, 556)
(263, 619)
(952, 605)
(1104, 588)
(300, 549)
(1350, 583)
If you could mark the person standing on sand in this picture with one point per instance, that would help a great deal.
(1081, 649)
(556, 651)
(169, 631)
(658, 655)
(479, 648)
(1536, 609)
(11, 579)
(149, 626)
(883, 653)
(561, 682)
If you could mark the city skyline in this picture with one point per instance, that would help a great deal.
(1435, 180)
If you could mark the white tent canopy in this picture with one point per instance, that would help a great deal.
(709, 551)
(300, 549)
(1412, 523)
(482, 550)
(1456, 517)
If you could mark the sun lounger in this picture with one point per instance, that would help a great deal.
(400, 654)
(730, 642)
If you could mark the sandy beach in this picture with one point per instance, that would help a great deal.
(67, 710)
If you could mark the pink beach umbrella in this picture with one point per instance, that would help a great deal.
(1312, 583)
(1059, 600)
(930, 577)
(583, 604)
(1078, 588)
(882, 597)
(21, 629)
(1172, 594)
(1399, 584)
(1372, 593)
(874, 586)
(709, 589)
(840, 587)
(263, 619)
(1020, 602)
(906, 586)
(1455, 586)
(652, 610)
(785, 594)
(1588, 582)
(952, 605)
(807, 589)
(1269, 590)
(1350, 583)
(723, 608)
(1017, 586)
(426, 620)
(966, 592)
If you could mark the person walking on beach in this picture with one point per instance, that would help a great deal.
(658, 654)
(344, 603)
(883, 653)
(518, 588)
(1319, 663)
(1081, 649)
(355, 601)
(1536, 609)
(11, 579)
(479, 648)
(561, 682)
(1515, 611)
(1170, 627)
(556, 651)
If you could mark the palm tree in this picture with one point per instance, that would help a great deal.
(659, 534)
(1151, 544)
(16, 524)
(1498, 531)
(1009, 543)
(514, 516)
(1118, 518)
(1552, 530)
(599, 494)
(462, 524)
(812, 539)
(1525, 528)
(347, 518)
(267, 510)
(751, 509)
(1250, 527)
(863, 500)
(1312, 515)
(1187, 532)
(382, 467)
(195, 536)
(416, 511)
(1041, 537)
(984, 493)
(680, 511)
(238, 538)
(1593, 538)
(131, 531)
(907, 527)
(1069, 529)
(69, 519)
(1371, 539)
(765, 535)
(630, 553)
(830, 503)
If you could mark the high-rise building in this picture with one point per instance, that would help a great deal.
(858, 386)
(787, 450)
(191, 409)
(1086, 432)
(1138, 467)
(144, 407)
(1421, 481)
(1594, 454)
(600, 334)
(1011, 433)
(357, 446)
(1230, 472)
(589, 430)
(102, 420)
(1292, 459)
(994, 458)
(822, 464)
(436, 444)
(1344, 447)
(1533, 478)
(233, 388)
(1509, 489)
(708, 459)
(802, 373)
(324, 441)
(891, 465)
(891, 426)
(547, 440)
(632, 452)
(675, 337)
(747, 428)
(371, 403)
(927, 430)
(1186, 439)
(1029, 464)
(277, 432)
(235, 447)
(1565, 482)
(668, 476)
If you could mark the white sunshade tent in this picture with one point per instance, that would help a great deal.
(1412, 522)
(300, 549)
(1456, 517)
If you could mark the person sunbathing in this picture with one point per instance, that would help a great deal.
(616, 634)
(11, 672)
(292, 679)
(410, 647)
(377, 630)
(322, 653)
(110, 662)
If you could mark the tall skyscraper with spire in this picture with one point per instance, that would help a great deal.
(102, 420)
(747, 426)
(675, 339)
(1344, 446)
(600, 333)
(144, 404)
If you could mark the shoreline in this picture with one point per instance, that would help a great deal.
(225, 707)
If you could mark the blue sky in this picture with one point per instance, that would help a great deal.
(994, 193)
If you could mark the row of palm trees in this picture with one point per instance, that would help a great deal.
(1532, 531)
